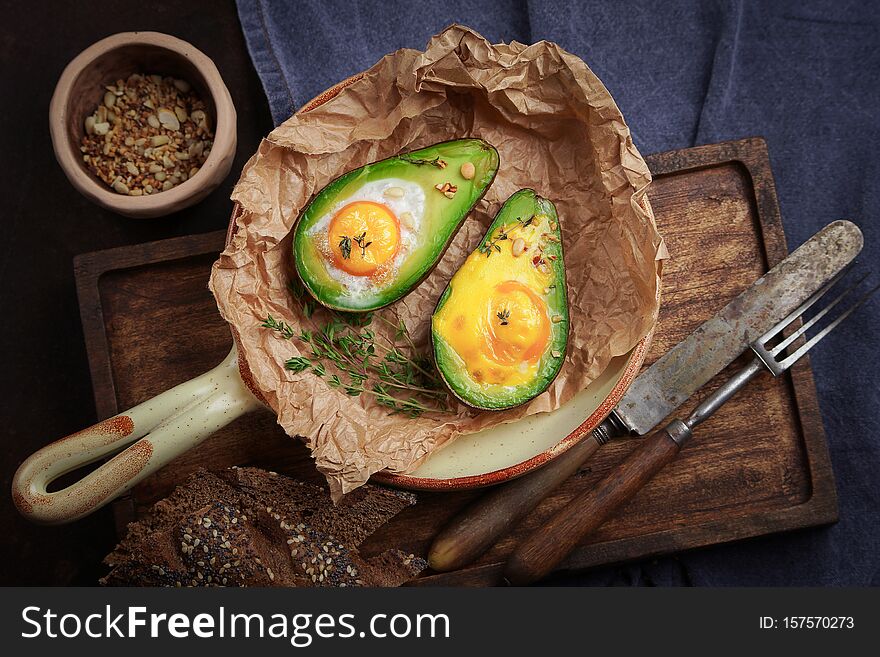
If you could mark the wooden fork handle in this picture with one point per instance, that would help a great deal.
(542, 551)
(479, 526)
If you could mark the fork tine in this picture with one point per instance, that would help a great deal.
(790, 360)
(803, 329)
(797, 312)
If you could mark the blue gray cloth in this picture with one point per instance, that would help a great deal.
(803, 74)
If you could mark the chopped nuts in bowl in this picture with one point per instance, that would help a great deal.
(148, 135)
(142, 124)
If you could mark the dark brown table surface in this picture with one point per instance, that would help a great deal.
(44, 383)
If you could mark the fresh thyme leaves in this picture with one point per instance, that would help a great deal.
(502, 235)
(360, 240)
(493, 243)
(281, 327)
(436, 162)
(362, 243)
(297, 364)
(354, 359)
(345, 246)
(503, 315)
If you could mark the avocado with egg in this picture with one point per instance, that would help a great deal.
(501, 326)
(370, 236)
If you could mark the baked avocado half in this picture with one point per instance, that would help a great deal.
(501, 326)
(373, 234)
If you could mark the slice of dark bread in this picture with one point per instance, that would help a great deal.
(250, 527)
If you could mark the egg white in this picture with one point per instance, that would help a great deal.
(412, 201)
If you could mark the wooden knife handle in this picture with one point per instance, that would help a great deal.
(541, 551)
(479, 526)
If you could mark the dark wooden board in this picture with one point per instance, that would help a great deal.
(760, 465)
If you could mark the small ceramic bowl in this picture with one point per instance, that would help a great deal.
(81, 88)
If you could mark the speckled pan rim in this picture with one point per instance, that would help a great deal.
(633, 365)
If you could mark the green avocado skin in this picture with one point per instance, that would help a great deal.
(441, 220)
(451, 366)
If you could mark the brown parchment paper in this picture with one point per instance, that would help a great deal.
(557, 130)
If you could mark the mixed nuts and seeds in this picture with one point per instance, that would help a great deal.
(149, 134)
(467, 171)
(447, 189)
(521, 246)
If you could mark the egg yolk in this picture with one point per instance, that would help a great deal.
(501, 337)
(363, 236)
(517, 325)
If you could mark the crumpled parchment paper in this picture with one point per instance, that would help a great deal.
(557, 130)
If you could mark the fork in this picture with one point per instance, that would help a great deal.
(541, 551)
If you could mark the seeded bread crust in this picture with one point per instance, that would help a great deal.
(250, 527)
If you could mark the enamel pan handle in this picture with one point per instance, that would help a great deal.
(151, 434)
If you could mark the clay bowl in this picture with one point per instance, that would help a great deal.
(81, 88)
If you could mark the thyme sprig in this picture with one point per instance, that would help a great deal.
(419, 161)
(493, 243)
(356, 360)
(360, 240)
(362, 243)
(504, 316)
(345, 246)
(503, 235)
(282, 327)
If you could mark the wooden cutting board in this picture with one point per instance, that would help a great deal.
(759, 465)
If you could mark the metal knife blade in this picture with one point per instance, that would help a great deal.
(685, 368)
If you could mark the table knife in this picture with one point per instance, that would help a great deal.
(660, 389)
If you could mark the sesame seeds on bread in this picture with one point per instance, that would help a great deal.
(250, 527)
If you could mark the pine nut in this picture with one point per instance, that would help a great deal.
(407, 219)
